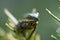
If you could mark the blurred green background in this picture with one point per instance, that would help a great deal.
(47, 25)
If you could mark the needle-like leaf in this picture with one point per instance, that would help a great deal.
(53, 15)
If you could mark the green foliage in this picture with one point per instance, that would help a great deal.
(58, 29)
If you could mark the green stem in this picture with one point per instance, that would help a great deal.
(53, 15)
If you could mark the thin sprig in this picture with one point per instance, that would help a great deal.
(52, 15)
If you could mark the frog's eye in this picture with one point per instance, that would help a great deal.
(34, 14)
